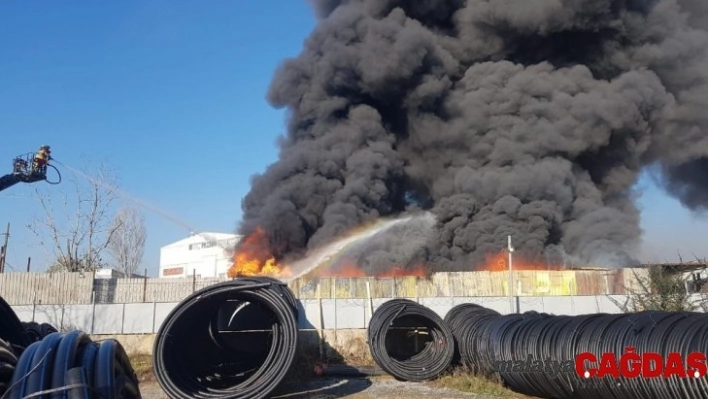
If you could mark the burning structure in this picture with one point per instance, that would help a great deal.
(532, 119)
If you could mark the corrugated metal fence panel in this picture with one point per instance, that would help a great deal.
(75, 288)
(45, 288)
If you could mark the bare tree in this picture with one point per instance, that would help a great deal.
(666, 288)
(127, 244)
(75, 226)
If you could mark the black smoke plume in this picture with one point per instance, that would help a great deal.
(532, 118)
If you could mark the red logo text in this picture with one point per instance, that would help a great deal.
(631, 364)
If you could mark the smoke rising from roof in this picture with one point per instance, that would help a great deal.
(532, 118)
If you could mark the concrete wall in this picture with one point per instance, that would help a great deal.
(329, 314)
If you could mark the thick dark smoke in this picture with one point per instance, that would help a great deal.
(532, 118)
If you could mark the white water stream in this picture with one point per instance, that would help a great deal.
(317, 257)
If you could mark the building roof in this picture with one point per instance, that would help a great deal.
(202, 237)
(682, 267)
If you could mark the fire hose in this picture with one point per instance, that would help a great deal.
(38, 361)
(236, 339)
(409, 316)
(505, 346)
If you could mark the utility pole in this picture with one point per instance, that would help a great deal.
(3, 255)
(511, 275)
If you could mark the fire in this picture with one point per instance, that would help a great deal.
(253, 257)
(349, 269)
(499, 262)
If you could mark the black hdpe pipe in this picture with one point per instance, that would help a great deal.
(465, 323)
(236, 339)
(8, 361)
(37, 331)
(494, 344)
(72, 366)
(11, 329)
(410, 341)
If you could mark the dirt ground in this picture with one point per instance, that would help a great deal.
(359, 388)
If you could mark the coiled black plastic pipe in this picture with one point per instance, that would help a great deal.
(37, 331)
(37, 361)
(460, 320)
(11, 329)
(8, 361)
(236, 339)
(511, 345)
(431, 361)
(49, 368)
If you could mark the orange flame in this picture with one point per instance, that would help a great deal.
(253, 257)
(499, 262)
(349, 269)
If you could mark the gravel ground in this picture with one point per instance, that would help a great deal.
(331, 388)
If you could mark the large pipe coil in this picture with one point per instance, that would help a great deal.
(465, 322)
(37, 361)
(8, 362)
(48, 368)
(236, 339)
(550, 356)
(410, 341)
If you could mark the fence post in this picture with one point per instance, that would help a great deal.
(416, 293)
(93, 309)
(34, 305)
(320, 323)
(145, 288)
(450, 290)
(154, 316)
(336, 310)
(61, 320)
(194, 280)
(371, 303)
(122, 321)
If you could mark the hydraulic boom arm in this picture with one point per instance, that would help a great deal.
(8, 181)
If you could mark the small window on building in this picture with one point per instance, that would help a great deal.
(202, 245)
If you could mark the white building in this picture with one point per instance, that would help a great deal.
(199, 255)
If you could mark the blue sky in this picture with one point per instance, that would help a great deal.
(173, 94)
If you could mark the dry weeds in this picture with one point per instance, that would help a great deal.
(307, 365)
(142, 364)
(355, 353)
(463, 381)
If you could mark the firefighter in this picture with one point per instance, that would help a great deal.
(41, 158)
(20, 166)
